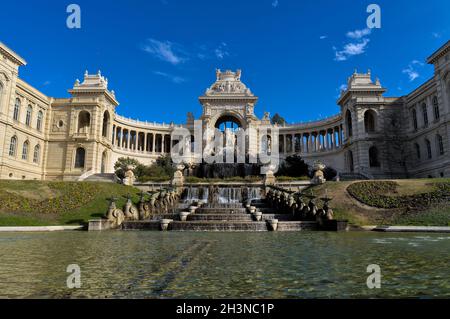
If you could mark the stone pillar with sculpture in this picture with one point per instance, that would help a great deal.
(130, 178)
(178, 178)
(319, 176)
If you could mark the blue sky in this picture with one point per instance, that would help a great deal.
(160, 55)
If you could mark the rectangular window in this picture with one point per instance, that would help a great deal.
(414, 116)
(425, 115)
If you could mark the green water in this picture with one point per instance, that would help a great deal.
(224, 265)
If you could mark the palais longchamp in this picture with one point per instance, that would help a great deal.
(373, 136)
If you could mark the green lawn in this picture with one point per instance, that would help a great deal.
(35, 203)
(362, 212)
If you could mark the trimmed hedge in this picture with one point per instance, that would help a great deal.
(377, 194)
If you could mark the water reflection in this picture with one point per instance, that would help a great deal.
(223, 265)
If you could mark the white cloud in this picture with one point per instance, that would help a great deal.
(221, 51)
(358, 34)
(46, 83)
(412, 70)
(275, 3)
(436, 35)
(165, 51)
(351, 49)
(412, 74)
(175, 79)
(323, 37)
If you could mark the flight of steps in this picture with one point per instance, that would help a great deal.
(104, 178)
(225, 218)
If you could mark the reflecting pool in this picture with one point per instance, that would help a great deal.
(223, 265)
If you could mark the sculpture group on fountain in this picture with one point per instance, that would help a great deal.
(285, 201)
(156, 203)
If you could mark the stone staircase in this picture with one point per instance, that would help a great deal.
(104, 178)
(224, 218)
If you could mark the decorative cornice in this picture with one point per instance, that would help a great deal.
(439, 53)
(13, 56)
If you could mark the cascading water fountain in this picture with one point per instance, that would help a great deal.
(226, 194)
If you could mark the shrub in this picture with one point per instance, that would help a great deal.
(380, 194)
(161, 170)
(293, 166)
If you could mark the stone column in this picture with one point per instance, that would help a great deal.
(144, 147)
(310, 144)
(333, 138)
(317, 142)
(154, 143)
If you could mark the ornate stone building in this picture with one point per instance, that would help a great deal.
(373, 136)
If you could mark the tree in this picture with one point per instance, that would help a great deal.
(293, 166)
(162, 169)
(122, 163)
(277, 119)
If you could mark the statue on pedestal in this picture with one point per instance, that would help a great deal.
(319, 177)
(129, 176)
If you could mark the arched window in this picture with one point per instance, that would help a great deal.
(36, 154)
(440, 144)
(16, 110)
(105, 124)
(436, 108)
(417, 147)
(80, 157)
(414, 118)
(25, 147)
(425, 114)
(29, 114)
(84, 122)
(369, 121)
(13, 146)
(373, 157)
(40, 117)
(349, 124)
(429, 153)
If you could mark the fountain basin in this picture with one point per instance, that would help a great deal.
(219, 226)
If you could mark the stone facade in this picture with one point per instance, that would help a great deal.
(373, 136)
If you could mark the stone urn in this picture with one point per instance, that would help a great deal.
(184, 216)
(257, 216)
(192, 209)
(273, 224)
(165, 224)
